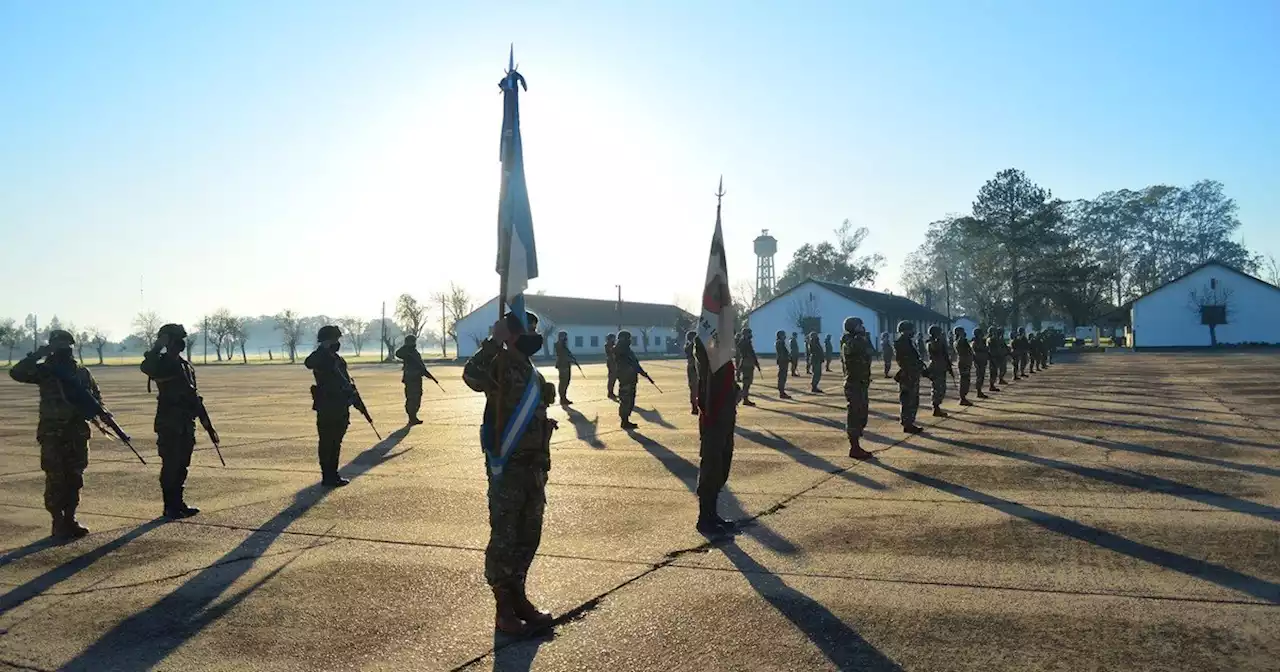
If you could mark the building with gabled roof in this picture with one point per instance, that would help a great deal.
(1177, 314)
(587, 322)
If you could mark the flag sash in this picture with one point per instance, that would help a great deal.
(516, 425)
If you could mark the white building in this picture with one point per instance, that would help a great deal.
(1177, 314)
(587, 321)
(823, 306)
(968, 323)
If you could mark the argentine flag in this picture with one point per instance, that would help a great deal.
(517, 254)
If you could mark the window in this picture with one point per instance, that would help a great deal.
(577, 341)
(595, 341)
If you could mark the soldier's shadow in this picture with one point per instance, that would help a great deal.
(654, 416)
(511, 654)
(587, 430)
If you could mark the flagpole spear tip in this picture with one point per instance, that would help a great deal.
(511, 58)
(720, 190)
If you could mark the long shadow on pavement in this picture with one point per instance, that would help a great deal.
(587, 430)
(516, 655)
(841, 644)
(654, 416)
(145, 639)
(687, 472)
(1137, 414)
(1180, 433)
(1201, 569)
(806, 458)
(68, 569)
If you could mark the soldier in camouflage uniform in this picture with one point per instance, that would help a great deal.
(1000, 355)
(564, 365)
(817, 357)
(964, 364)
(855, 354)
(331, 398)
(1033, 351)
(910, 369)
(795, 354)
(750, 362)
(830, 350)
(717, 419)
(63, 430)
(628, 378)
(737, 355)
(1019, 349)
(784, 362)
(503, 370)
(981, 359)
(939, 367)
(177, 407)
(610, 346)
(886, 352)
(691, 370)
(414, 371)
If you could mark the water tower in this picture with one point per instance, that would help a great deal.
(766, 246)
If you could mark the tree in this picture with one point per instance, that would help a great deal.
(356, 332)
(1214, 306)
(804, 314)
(836, 263)
(548, 330)
(145, 326)
(238, 332)
(82, 339)
(31, 330)
(98, 338)
(54, 324)
(1272, 270)
(10, 335)
(644, 337)
(412, 315)
(220, 329)
(290, 326)
(456, 304)
(389, 333)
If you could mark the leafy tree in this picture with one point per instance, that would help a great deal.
(836, 262)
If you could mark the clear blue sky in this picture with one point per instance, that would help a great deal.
(325, 156)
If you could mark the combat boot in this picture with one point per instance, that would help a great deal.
(783, 395)
(413, 420)
(59, 522)
(966, 402)
(525, 610)
(939, 413)
(993, 388)
(747, 402)
(627, 424)
(71, 528)
(333, 481)
(505, 619)
(709, 523)
(855, 450)
(912, 429)
(983, 395)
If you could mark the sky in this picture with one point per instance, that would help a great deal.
(328, 156)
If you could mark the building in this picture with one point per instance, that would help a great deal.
(966, 322)
(822, 307)
(1212, 304)
(587, 321)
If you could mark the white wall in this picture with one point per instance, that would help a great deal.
(833, 308)
(478, 323)
(1169, 318)
(968, 324)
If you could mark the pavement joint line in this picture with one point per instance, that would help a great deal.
(982, 586)
(963, 502)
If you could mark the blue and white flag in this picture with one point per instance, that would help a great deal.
(517, 254)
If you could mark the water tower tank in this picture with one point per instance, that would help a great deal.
(766, 245)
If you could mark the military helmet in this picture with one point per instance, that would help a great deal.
(611, 337)
(935, 331)
(564, 335)
(782, 334)
(624, 334)
(410, 338)
(851, 324)
(61, 335)
(905, 327)
(978, 331)
(329, 332)
(174, 331)
(958, 330)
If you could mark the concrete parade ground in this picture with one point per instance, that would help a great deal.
(1117, 512)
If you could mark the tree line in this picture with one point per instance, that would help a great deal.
(1022, 255)
(228, 335)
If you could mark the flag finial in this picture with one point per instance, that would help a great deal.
(720, 191)
(511, 58)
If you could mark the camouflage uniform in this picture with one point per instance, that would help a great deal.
(332, 396)
(830, 352)
(717, 418)
(795, 355)
(855, 353)
(610, 359)
(1019, 348)
(564, 365)
(517, 491)
(177, 406)
(964, 363)
(813, 346)
(691, 374)
(1002, 346)
(414, 371)
(910, 368)
(784, 362)
(62, 432)
(939, 367)
(981, 357)
(747, 353)
(628, 378)
(886, 352)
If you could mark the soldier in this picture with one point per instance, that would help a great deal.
(1033, 351)
(750, 362)
(795, 354)
(813, 346)
(177, 407)
(718, 411)
(1002, 346)
(516, 441)
(610, 344)
(63, 430)
(939, 367)
(628, 378)
(414, 371)
(784, 361)
(910, 368)
(981, 357)
(831, 352)
(331, 397)
(855, 353)
(564, 364)
(1019, 349)
(964, 362)
(886, 352)
(691, 369)
(737, 355)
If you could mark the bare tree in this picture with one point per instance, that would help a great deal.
(290, 325)
(412, 315)
(54, 325)
(145, 326)
(803, 312)
(98, 338)
(455, 304)
(1271, 268)
(644, 337)
(238, 331)
(356, 332)
(548, 330)
(10, 335)
(1214, 306)
(219, 328)
(30, 330)
(82, 338)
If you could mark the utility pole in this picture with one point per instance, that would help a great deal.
(206, 339)
(382, 342)
(444, 338)
(35, 332)
(947, 277)
(619, 306)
